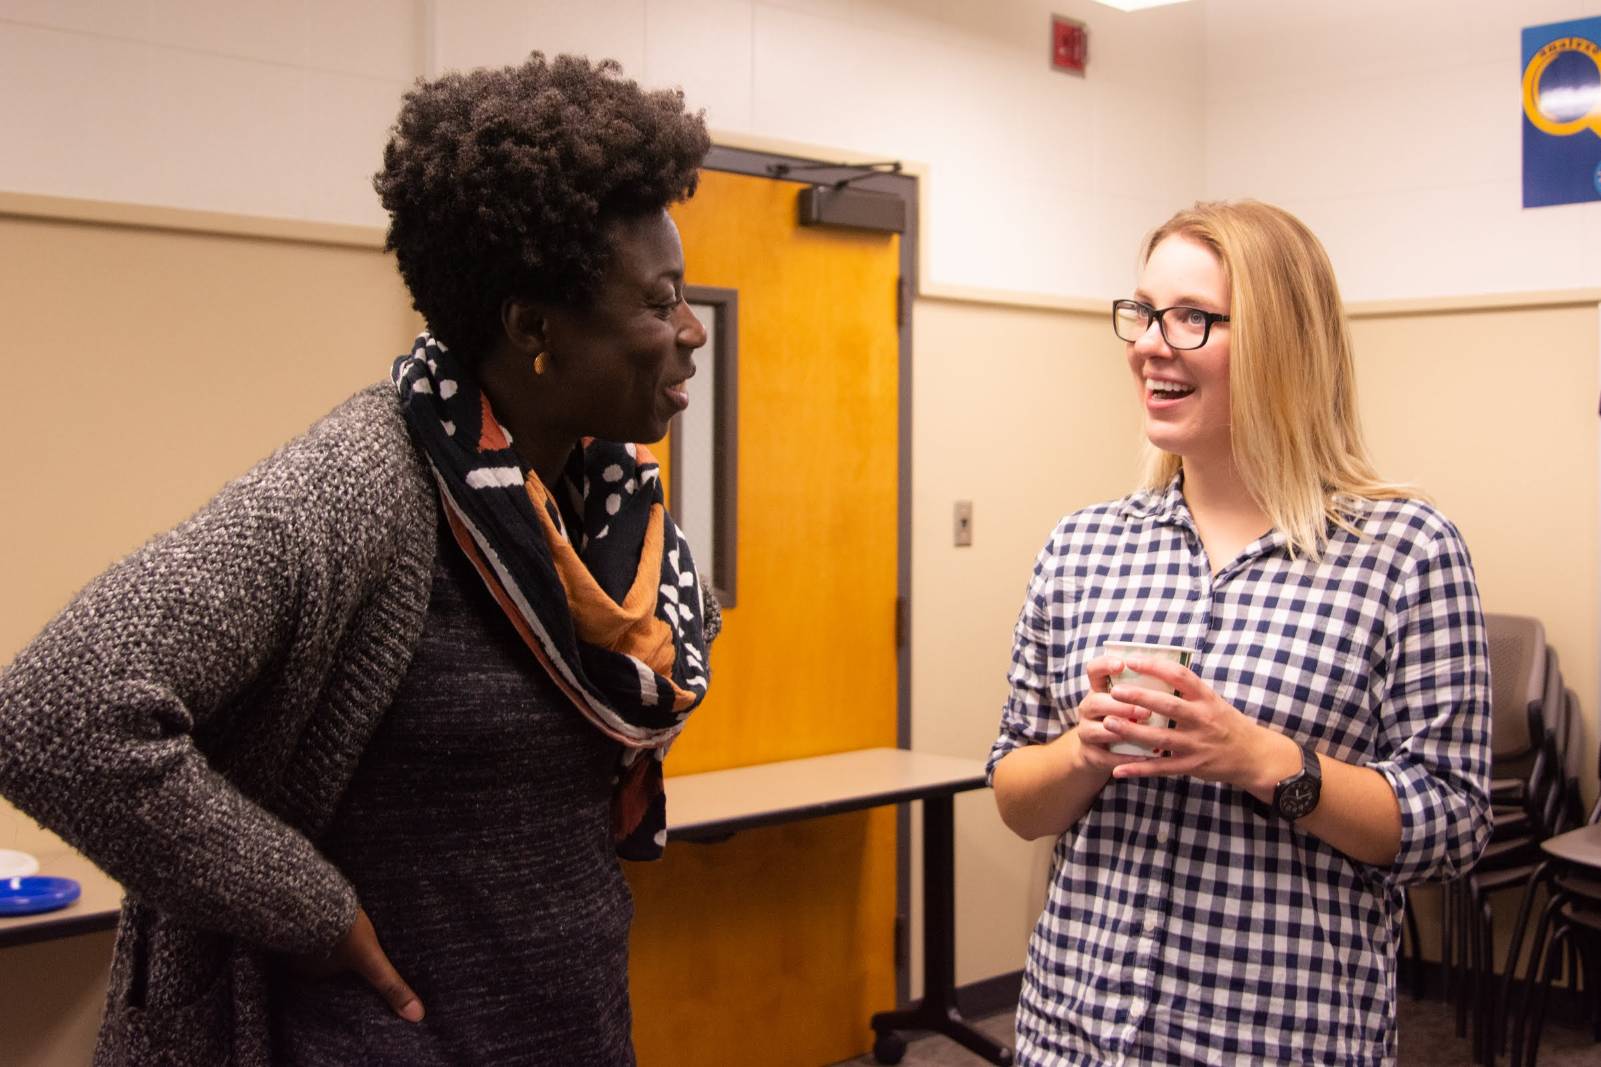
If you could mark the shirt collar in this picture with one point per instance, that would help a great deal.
(1168, 508)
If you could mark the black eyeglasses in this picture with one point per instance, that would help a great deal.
(1182, 327)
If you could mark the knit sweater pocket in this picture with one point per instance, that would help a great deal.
(172, 1003)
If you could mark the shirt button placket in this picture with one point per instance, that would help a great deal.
(1199, 602)
(1146, 945)
(1165, 878)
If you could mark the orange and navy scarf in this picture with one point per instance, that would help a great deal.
(598, 581)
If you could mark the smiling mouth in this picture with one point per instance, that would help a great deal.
(1164, 390)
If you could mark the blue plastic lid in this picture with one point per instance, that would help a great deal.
(34, 894)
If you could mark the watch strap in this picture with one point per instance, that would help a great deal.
(1296, 796)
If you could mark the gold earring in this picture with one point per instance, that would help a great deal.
(539, 363)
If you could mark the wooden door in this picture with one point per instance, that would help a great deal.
(777, 945)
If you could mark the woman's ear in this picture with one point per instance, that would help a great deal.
(523, 324)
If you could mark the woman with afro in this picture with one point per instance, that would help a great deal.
(364, 738)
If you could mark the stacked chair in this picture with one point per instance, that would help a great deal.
(1570, 924)
(1526, 703)
(1535, 741)
(1519, 654)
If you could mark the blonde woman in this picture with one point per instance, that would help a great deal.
(1236, 897)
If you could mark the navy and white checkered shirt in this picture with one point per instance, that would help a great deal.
(1180, 926)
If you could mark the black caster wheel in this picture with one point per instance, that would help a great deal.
(889, 1047)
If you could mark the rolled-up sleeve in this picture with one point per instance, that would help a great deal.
(1031, 715)
(1435, 716)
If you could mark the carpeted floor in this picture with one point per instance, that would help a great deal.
(1428, 1039)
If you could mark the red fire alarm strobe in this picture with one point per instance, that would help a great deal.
(1070, 44)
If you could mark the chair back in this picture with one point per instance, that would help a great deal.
(1558, 814)
(1574, 760)
(1595, 811)
(1542, 772)
(1517, 684)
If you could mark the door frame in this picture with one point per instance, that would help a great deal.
(759, 163)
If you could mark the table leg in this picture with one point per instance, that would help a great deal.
(937, 1010)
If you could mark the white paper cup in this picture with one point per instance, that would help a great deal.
(1123, 650)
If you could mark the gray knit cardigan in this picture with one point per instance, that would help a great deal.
(191, 719)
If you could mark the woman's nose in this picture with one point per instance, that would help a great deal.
(1152, 340)
(691, 333)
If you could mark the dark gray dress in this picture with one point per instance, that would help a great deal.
(477, 835)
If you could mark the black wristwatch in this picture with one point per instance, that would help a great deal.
(1296, 797)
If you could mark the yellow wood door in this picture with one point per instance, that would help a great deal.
(776, 946)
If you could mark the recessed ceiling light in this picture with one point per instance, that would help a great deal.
(1136, 5)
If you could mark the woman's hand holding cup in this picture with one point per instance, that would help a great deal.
(1211, 739)
(1095, 739)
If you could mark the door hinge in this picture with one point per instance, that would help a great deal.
(903, 622)
(901, 300)
(902, 950)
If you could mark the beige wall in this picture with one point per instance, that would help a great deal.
(1493, 413)
(53, 994)
(157, 364)
(1029, 414)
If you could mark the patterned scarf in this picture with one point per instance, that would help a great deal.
(617, 619)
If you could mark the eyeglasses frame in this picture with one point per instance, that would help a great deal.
(1159, 316)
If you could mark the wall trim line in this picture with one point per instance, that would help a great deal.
(306, 231)
(186, 220)
(1444, 305)
(960, 294)
(1363, 309)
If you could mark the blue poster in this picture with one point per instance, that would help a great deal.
(1562, 113)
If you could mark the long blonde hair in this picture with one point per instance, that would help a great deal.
(1296, 438)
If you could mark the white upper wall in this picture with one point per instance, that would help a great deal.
(1393, 129)
(278, 109)
(282, 109)
(1031, 186)
(1395, 132)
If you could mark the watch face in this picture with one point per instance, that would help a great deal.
(1298, 798)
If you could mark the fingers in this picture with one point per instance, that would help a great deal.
(1160, 701)
(1093, 734)
(1100, 671)
(360, 951)
(1206, 738)
(1188, 684)
(1151, 767)
(396, 993)
(1107, 760)
(1098, 706)
(1155, 738)
(1096, 754)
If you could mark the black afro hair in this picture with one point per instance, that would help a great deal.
(499, 184)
